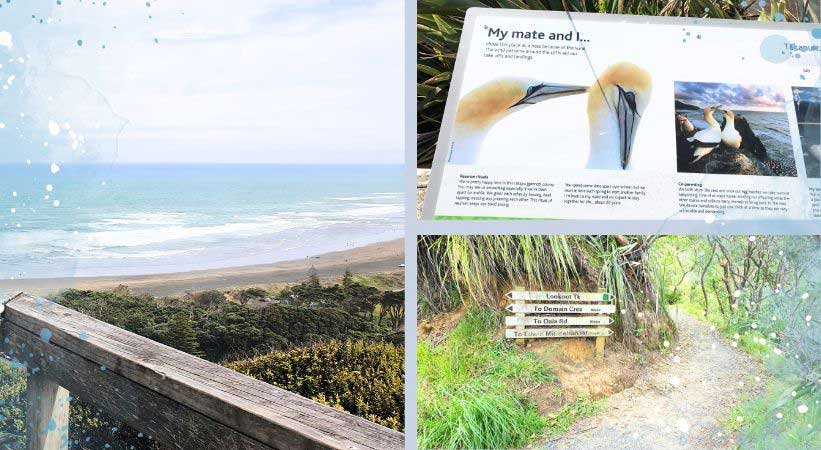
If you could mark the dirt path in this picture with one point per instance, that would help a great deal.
(674, 404)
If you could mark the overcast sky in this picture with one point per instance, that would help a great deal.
(281, 81)
(731, 96)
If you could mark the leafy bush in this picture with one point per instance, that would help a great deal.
(362, 378)
(12, 406)
(254, 293)
(209, 299)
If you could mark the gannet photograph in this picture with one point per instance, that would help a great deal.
(732, 129)
(593, 126)
(807, 101)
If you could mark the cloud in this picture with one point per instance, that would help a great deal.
(732, 96)
(244, 81)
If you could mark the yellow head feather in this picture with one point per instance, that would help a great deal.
(485, 104)
(625, 74)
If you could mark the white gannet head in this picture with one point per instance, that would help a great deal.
(614, 108)
(708, 115)
(489, 103)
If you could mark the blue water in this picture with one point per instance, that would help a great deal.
(140, 219)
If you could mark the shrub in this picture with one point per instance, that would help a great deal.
(209, 299)
(363, 378)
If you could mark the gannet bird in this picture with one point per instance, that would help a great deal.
(729, 135)
(685, 124)
(707, 139)
(614, 107)
(615, 104)
(482, 108)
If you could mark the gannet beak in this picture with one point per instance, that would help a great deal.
(628, 118)
(543, 91)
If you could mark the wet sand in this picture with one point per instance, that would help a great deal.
(382, 257)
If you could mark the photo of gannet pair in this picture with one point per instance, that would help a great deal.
(807, 101)
(615, 103)
(751, 138)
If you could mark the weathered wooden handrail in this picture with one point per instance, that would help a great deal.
(180, 400)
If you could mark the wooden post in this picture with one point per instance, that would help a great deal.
(522, 342)
(600, 341)
(46, 414)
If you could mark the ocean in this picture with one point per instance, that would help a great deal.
(773, 128)
(100, 220)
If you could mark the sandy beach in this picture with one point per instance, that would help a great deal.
(383, 257)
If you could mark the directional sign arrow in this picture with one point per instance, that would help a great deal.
(557, 333)
(561, 296)
(541, 308)
(557, 320)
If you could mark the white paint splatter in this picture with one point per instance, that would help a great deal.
(53, 128)
(6, 40)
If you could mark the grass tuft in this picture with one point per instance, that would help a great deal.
(472, 388)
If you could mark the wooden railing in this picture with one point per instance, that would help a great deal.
(181, 401)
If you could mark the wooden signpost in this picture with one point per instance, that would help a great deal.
(559, 315)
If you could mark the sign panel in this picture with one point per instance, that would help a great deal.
(557, 320)
(541, 308)
(700, 120)
(529, 333)
(560, 296)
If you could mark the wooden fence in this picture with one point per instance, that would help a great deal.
(181, 401)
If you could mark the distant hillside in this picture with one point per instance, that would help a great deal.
(685, 106)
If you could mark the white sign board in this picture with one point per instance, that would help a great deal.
(560, 296)
(556, 333)
(557, 320)
(600, 116)
(545, 308)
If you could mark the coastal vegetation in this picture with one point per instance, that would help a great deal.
(477, 389)
(338, 344)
